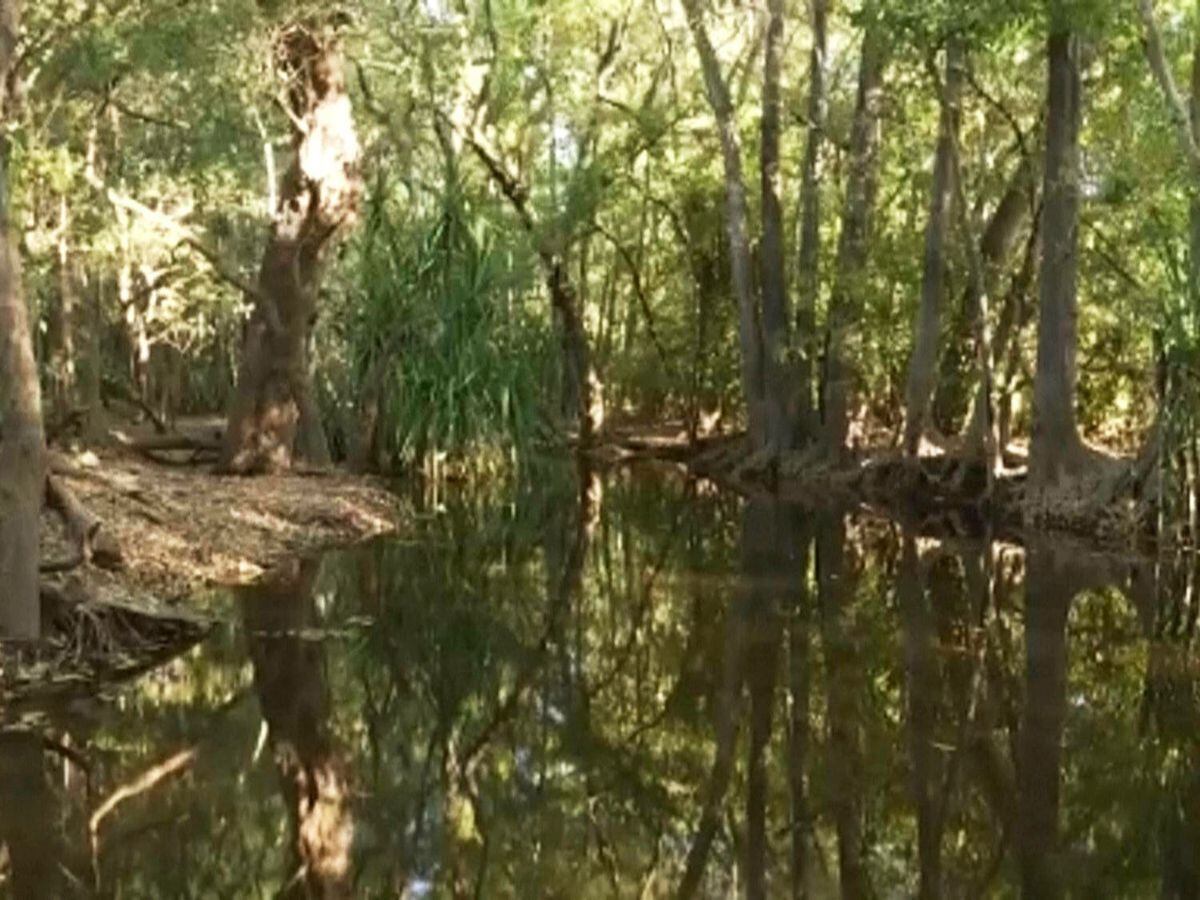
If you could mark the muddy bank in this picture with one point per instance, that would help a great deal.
(181, 529)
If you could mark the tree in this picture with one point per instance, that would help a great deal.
(809, 248)
(274, 415)
(1057, 452)
(22, 458)
(854, 241)
(750, 337)
(923, 365)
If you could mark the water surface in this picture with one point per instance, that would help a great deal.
(643, 689)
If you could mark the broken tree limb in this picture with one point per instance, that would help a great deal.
(84, 529)
(153, 446)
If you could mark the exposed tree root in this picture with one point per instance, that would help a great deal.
(87, 642)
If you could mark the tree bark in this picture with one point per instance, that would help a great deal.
(1057, 451)
(779, 394)
(22, 451)
(61, 336)
(861, 187)
(927, 330)
(995, 244)
(274, 416)
(809, 256)
(741, 272)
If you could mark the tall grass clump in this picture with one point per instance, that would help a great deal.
(443, 346)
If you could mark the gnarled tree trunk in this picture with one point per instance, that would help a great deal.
(22, 452)
(274, 416)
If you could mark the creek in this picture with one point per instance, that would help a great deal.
(643, 688)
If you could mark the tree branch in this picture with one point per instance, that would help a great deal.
(1156, 56)
(183, 234)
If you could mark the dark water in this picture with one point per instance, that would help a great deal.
(653, 691)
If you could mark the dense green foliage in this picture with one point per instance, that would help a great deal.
(145, 128)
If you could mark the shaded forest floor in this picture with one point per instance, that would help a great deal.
(171, 528)
(183, 528)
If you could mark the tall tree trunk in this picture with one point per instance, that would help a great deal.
(861, 187)
(927, 330)
(274, 415)
(61, 337)
(809, 256)
(22, 452)
(779, 391)
(1057, 451)
(741, 272)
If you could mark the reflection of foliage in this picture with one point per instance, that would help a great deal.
(586, 706)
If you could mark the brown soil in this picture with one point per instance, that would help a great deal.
(183, 528)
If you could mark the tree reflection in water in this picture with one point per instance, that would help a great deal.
(283, 637)
(647, 691)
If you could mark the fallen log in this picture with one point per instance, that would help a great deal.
(85, 530)
(152, 447)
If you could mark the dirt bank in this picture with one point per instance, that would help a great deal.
(183, 528)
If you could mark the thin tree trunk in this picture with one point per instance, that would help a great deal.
(582, 391)
(1194, 205)
(927, 329)
(995, 244)
(779, 391)
(741, 273)
(274, 415)
(62, 321)
(22, 451)
(91, 360)
(846, 303)
(809, 257)
(1057, 451)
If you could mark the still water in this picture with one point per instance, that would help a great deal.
(646, 689)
